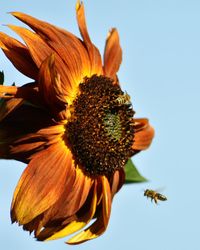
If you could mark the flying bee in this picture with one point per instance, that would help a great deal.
(154, 195)
(124, 99)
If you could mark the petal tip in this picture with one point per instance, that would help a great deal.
(78, 4)
(16, 14)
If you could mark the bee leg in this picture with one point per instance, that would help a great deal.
(156, 200)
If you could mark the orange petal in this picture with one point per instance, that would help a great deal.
(94, 55)
(38, 48)
(68, 46)
(30, 93)
(28, 145)
(50, 88)
(117, 181)
(144, 134)
(112, 54)
(33, 225)
(19, 55)
(106, 200)
(72, 199)
(42, 183)
(82, 220)
(33, 130)
(39, 51)
(100, 225)
(7, 92)
(47, 225)
(9, 106)
(47, 231)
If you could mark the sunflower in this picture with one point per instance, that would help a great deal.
(73, 126)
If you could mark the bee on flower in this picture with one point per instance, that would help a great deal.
(65, 126)
(123, 99)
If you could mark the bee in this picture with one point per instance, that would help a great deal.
(154, 195)
(124, 99)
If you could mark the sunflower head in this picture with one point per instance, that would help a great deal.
(73, 125)
(100, 130)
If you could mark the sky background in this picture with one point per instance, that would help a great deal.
(161, 72)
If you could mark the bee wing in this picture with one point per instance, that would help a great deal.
(160, 189)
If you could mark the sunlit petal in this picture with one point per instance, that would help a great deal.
(112, 54)
(67, 46)
(100, 225)
(81, 220)
(19, 55)
(42, 183)
(95, 57)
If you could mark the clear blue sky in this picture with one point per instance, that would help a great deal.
(161, 71)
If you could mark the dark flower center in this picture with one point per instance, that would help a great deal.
(100, 130)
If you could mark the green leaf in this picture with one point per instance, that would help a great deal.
(1, 77)
(132, 174)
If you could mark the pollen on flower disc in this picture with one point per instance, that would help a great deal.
(100, 131)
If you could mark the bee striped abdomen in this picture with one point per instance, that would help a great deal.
(161, 197)
(154, 195)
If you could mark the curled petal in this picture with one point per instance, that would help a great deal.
(44, 233)
(42, 183)
(144, 134)
(33, 225)
(19, 55)
(100, 225)
(81, 221)
(50, 88)
(39, 51)
(94, 55)
(112, 54)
